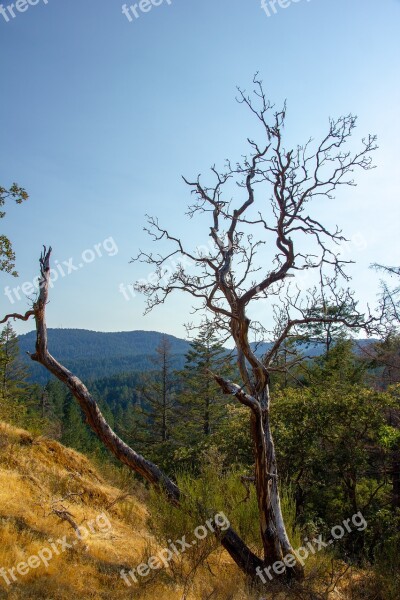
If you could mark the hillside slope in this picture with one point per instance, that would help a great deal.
(41, 482)
(47, 490)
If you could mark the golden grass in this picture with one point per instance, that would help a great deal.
(38, 476)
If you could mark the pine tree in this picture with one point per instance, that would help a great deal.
(158, 395)
(13, 373)
(202, 406)
(152, 419)
(74, 430)
(330, 331)
(13, 377)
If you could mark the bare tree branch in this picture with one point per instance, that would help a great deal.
(15, 316)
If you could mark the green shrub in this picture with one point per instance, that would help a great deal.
(387, 564)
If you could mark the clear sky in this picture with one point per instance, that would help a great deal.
(101, 115)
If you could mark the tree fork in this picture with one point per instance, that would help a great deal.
(274, 537)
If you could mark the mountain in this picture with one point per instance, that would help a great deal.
(313, 349)
(93, 354)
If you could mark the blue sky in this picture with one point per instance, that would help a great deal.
(101, 116)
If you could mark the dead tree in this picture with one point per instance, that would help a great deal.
(390, 299)
(272, 189)
(229, 280)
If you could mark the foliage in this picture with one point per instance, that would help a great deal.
(385, 360)
(202, 407)
(222, 491)
(329, 331)
(387, 557)
(15, 390)
(335, 445)
(7, 255)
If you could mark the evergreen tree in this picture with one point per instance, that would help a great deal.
(331, 328)
(158, 395)
(13, 373)
(385, 360)
(202, 405)
(340, 367)
(14, 385)
(50, 408)
(74, 430)
(201, 401)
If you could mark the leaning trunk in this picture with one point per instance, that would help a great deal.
(274, 537)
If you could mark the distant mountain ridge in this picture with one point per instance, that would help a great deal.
(94, 354)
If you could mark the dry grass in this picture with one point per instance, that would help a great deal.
(38, 476)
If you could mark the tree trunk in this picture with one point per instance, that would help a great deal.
(273, 531)
(207, 426)
(164, 429)
(274, 537)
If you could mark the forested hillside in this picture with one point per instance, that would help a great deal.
(93, 354)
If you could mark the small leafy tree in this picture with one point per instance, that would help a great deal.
(7, 255)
